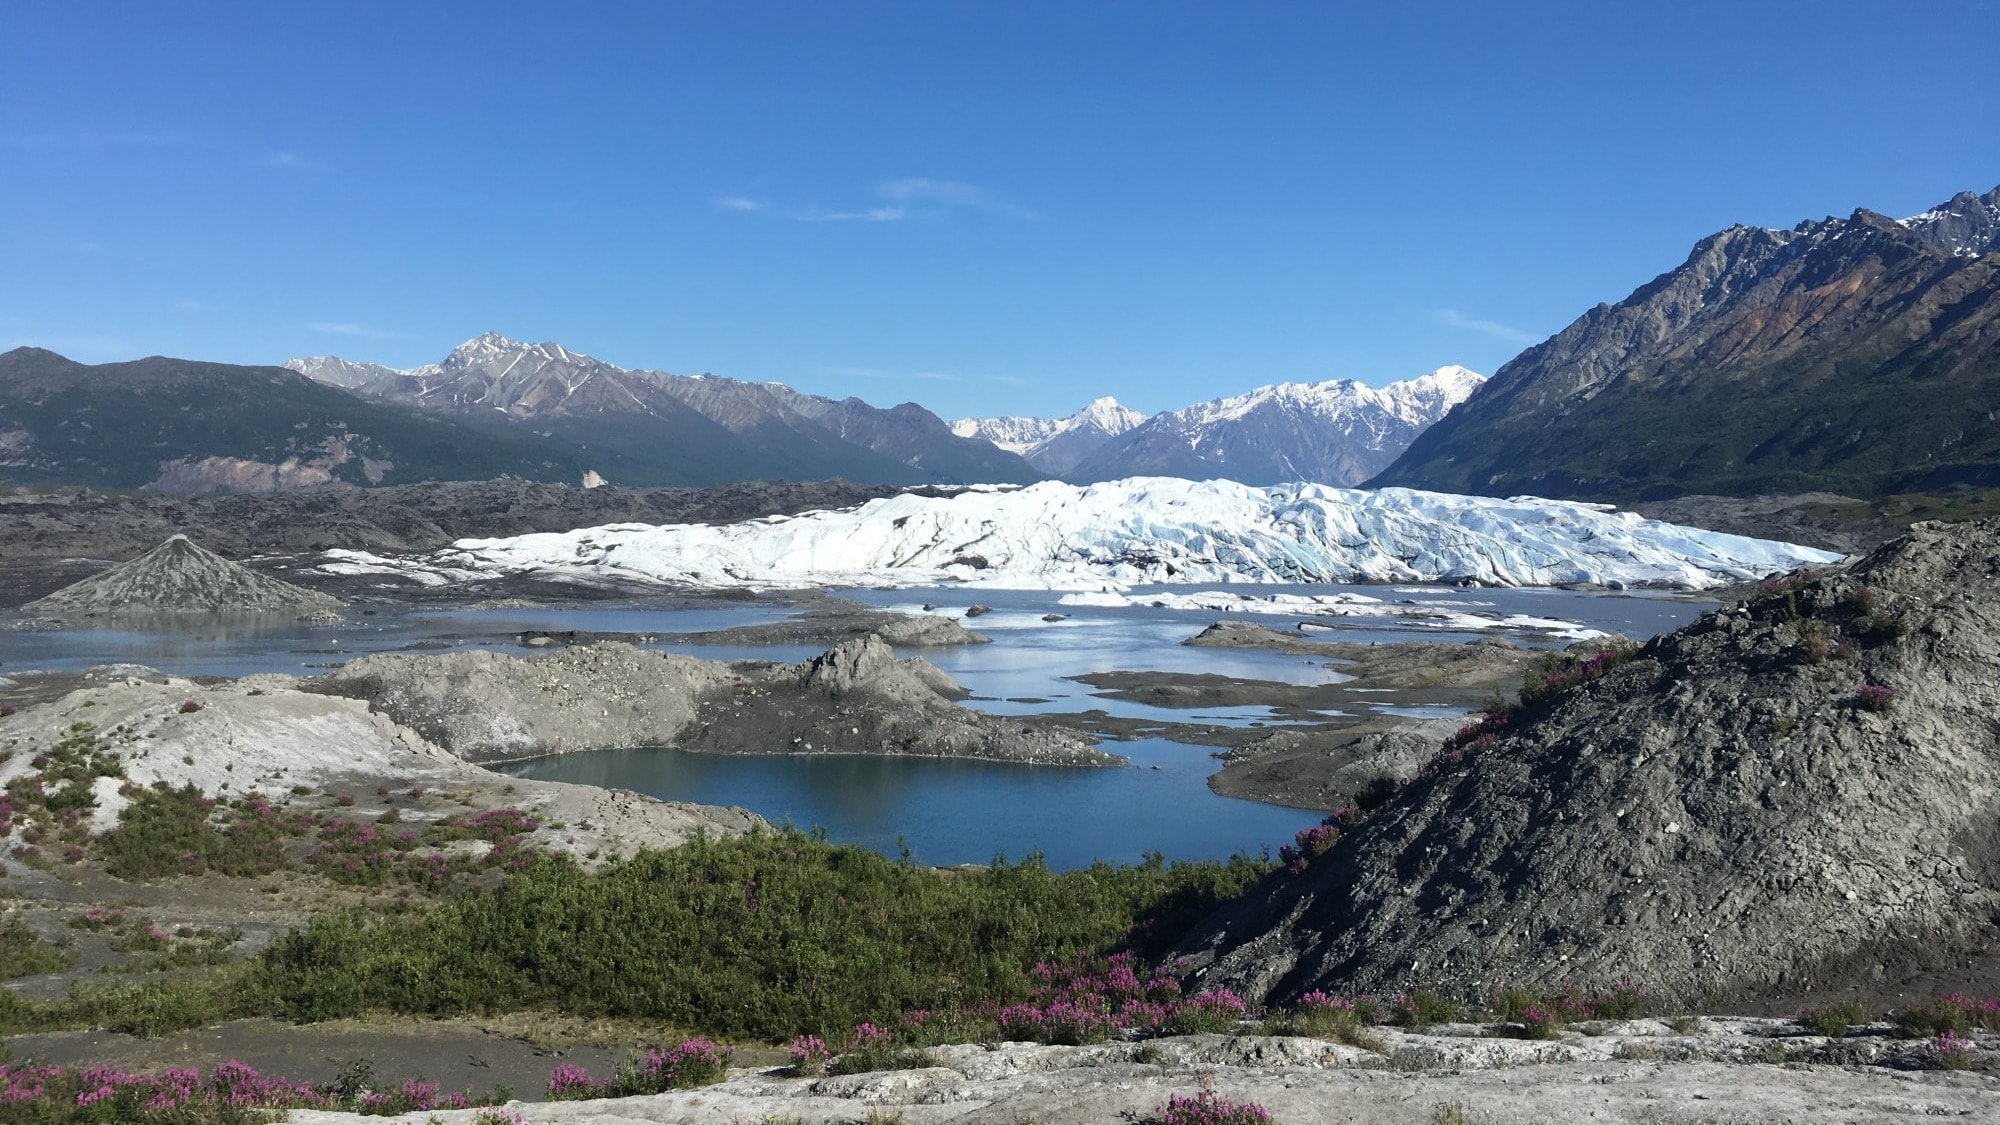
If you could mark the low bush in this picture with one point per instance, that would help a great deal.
(1420, 1008)
(766, 936)
(1950, 1051)
(1327, 1017)
(24, 953)
(1950, 1011)
(1209, 1108)
(809, 1055)
(1834, 1020)
(165, 832)
(230, 1094)
(1874, 697)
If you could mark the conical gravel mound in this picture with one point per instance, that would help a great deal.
(1797, 794)
(180, 577)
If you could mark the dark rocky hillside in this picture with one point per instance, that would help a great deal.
(183, 426)
(639, 427)
(1799, 793)
(1857, 355)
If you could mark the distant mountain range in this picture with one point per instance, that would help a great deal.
(184, 426)
(1857, 355)
(1337, 432)
(1054, 445)
(650, 427)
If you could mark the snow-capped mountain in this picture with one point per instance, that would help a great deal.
(1054, 445)
(1339, 432)
(651, 427)
(1966, 225)
(1145, 530)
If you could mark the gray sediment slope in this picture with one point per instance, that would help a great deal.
(179, 576)
(1729, 815)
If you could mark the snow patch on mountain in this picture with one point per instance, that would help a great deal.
(1122, 533)
(1967, 225)
(1054, 445)
(1338, 432)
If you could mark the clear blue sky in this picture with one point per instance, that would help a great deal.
(987, 207)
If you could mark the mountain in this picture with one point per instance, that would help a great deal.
(1857, 355)
(1145, 530)
(1339, 432)
(176, 425)
(1054, 445)
(650, 427)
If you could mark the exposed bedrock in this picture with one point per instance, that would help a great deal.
(1795, 793)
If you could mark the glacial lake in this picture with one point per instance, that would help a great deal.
(945, 812)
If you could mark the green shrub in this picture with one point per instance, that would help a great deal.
(165, 832)
(1834, 1020)
(765, 936)
(23, 953)
(1420, 1008)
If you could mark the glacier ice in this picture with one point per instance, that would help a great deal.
(1142, 530)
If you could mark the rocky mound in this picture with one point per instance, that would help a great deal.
(180, 577)
(1796, 793)
(857, 698)
(260, 735)
(488, 707)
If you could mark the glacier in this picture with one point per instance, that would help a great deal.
(1115, 535)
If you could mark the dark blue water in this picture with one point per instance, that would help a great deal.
(950, 812)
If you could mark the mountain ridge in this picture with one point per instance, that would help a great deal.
(653, 427)
(189, 426)
(1337, 432)
(1845, 354)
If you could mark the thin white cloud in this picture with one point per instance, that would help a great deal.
(950, 193)
(909, 198)
(935, 376)
(1492, 328)
(196, 305)
(871, 215)
(286, 160)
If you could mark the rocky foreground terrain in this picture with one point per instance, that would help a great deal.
(1793, 795)
(1726, 1072)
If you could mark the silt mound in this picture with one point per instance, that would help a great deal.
(179, 577)
(1797, 793)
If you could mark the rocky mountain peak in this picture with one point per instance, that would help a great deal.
(1768, 361)
(1966, 225)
